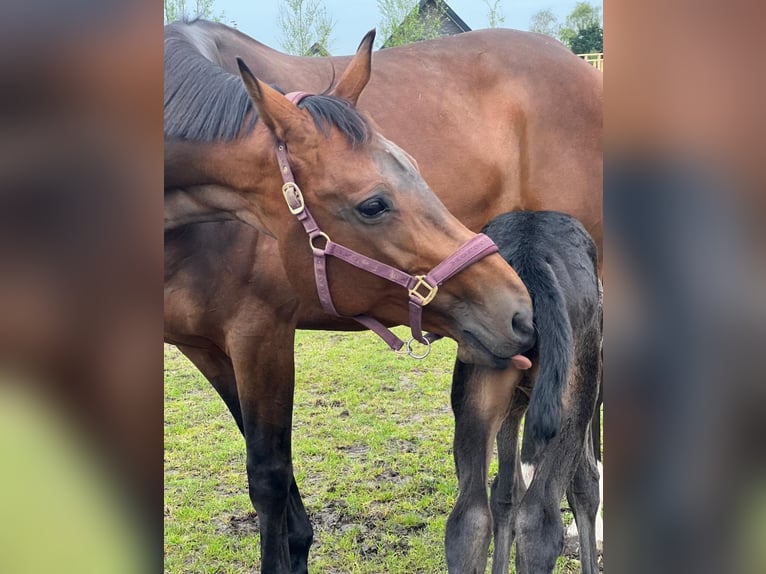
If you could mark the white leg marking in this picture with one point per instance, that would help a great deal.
(572, 530)
(599, 518)
(527, 473)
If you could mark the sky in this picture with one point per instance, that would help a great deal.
(353, 18)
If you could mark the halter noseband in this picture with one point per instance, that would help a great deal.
(421, 288)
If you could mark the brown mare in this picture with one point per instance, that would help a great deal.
(367, 195)
(497, 121)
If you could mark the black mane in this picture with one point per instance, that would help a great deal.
(204, 102)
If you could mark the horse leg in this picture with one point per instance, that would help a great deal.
(596, 423)
(539, 529)
(584, 490)
(480, 400)
(507, 488)
(572, 531)
(265, 375)
(584, 499)
(300, 534)
(217, 368)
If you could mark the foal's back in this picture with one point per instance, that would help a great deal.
(529, 239)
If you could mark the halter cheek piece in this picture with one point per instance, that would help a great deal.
(421, 288)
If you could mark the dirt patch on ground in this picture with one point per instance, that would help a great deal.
(243, 525)
(356, 450)
(331, 517)
(335, 517)
(369, 537)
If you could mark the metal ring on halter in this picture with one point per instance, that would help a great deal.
(324, 236)
(412, 354)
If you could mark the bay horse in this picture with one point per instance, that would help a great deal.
(496, 120)
(556, 259)
(340, 178)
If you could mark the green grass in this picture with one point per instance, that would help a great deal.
(372, 450)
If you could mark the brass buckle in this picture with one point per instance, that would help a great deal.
(293, 194)
(429, 296)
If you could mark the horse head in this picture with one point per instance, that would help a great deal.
(365, 194)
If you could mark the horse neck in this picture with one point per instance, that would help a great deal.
(202, 178)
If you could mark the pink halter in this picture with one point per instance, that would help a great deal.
(421, 288)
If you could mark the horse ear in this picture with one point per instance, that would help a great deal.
(279, 114)
(357, 73)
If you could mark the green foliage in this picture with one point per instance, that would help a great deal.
(403, 23)
(188, 9)
(581, 31)
(305, 24)
(588, 40)
(545, 22)
(495, 16)
(584, 15)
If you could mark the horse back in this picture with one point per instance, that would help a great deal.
(514, 117)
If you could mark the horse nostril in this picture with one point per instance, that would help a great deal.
(522, 324)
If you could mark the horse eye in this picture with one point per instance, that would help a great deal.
(373, 208)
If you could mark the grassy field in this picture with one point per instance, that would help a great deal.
(372, 453)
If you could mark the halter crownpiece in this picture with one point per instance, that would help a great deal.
(421, 288)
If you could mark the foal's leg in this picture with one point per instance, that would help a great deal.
(264, 367)
(583, 496)
(507, 488)
(480, 400)
(539, 529)
(583, 492)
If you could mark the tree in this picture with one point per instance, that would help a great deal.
(589, 40)
(184, 10)
(545, 22)
(495, 15)
(581, 31)
(584, 16)
(306, 27)
(403, 22)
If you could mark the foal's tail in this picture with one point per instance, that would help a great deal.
(555, 344)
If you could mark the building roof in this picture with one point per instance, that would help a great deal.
(318, 49)
(451, 22)
(449, 12)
